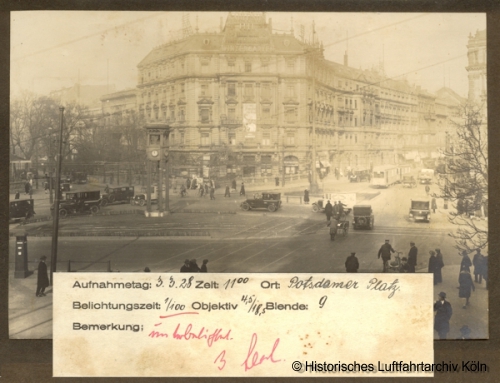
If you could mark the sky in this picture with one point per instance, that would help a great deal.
(55, 49)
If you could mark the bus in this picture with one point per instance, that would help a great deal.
(385, 176)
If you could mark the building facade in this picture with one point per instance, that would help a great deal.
(249, 102)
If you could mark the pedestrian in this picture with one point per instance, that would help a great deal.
(334, 224)
(352, 263)
(444, 312)
(147, 270)
(242, 189)
(412, 257)
(328, 212)
(106, 189)
(440, 265)
(335, 209)
(212, 193)
(26, 188)
(207, 189)
(306, 197)
(427, 189)
(43, 278)
(466, 262)
(478, 262)
(204, 266)
(46, 187)
(433, 266)
(193, 266)
(465, 332)
(188, 183)
(433, 205)
(277, 181)
(233, 184)
(201, 191)
(31, 192)
(185, 267)
(485, 271)
(17, 195)
(465, 286)
(385, 252)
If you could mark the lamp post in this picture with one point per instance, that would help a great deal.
(55, 229)
(49, 158)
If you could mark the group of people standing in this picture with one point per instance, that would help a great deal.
(191, 266)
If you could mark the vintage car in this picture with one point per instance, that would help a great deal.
(21, 209)
(363, 217)
(78, 178)
(117, 194)
(420, 210)
(409, 182)
(79, 203)
(269, 201)
(141, 198)
(360, 176)
(348, 200)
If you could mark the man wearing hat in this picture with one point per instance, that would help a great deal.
(43, 278)
(443, 314)
(185, 267)
(328, 212)
(385, 251)
(351, 263)
(193, 266)
(412, 257)
(203, 268)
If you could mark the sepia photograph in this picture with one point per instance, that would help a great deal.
(249, 142)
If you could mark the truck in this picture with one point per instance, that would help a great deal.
(425, 176)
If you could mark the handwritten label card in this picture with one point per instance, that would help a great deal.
(204, 324)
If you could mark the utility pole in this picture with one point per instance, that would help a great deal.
(55, 229)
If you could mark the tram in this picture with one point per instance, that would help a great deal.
(384, 176)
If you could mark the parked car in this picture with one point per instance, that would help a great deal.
(118, 194)
(420, 210)
(409, 182)
(363, 217)
(269, 201)
(80, 203)
(141, 198)
(78, 177)
(21, 208)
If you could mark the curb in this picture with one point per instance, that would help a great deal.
(161, 233)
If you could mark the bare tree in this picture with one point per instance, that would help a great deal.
(466, 178)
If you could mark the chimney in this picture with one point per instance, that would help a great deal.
(345, 59)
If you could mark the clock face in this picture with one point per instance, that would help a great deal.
(154, 153)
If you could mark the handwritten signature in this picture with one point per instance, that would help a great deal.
(253, 358)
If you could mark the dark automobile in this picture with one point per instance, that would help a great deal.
(360, 176)
(21, 208)
(363, 217)
(118, 194)
(409, 182)
(269, 201)
(420, 210)
(80, 203)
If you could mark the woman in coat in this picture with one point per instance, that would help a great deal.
(43, 278)
(466, 286)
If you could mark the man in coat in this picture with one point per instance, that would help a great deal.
(334, 225)
(443, 314)
(478, 262)
(385, 252)
(204, 268)
(43, 278)
(306, 196)
(412, 257)
(185, 267)
(328, 211)
(242, 189)
(434, 266)
(352, 263)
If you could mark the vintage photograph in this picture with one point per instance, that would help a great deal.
(249, 142)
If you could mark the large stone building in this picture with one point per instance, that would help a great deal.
(476, 52)
(240, 102)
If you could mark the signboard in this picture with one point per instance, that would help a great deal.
(250, 120)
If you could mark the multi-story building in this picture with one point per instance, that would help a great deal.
(476, 52)
(240, 102)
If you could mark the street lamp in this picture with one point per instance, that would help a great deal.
(55, 229)
(49, 160)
